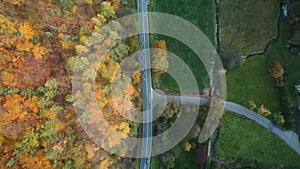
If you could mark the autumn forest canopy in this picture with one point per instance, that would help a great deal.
(44, 47)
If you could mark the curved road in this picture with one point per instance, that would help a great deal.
(289, 137)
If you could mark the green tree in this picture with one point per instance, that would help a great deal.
(107, 10)
(68, 4)
(119, 52)
(278, 118)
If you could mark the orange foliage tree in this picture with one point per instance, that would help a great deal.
(15, 2)
(18, 107)
(19, 114)
(20, 36)
(37, 161)
(276, 69)
(27, 72)
(115, 4)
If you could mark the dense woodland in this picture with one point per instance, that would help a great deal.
(42, 44)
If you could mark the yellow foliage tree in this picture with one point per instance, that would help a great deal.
(187, 146)
(1, 140)
(26, 30)
(137, 77)
(22, 42)
(6, 25)
(125, 129)
(159, 58)
(38, 51)
(89, 2)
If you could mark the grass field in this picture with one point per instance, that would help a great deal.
(201, 14)
(247, 25)
(251, 81)
(243, 139)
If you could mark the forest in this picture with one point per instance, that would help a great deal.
(44, 46)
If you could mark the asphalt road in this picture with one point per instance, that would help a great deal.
(289, 137)
(147, 85)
